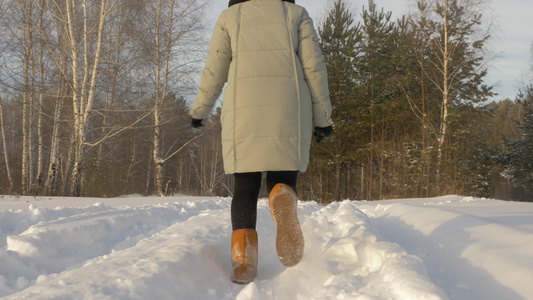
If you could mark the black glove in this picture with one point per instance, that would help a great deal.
(322, 132)
(196, 123)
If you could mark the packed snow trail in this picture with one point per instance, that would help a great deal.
(179, 248)
(473, 248)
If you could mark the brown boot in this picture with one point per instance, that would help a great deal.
(289, 236)
(244, 248)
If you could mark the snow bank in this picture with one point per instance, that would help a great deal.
(474, 248)
(179, 248)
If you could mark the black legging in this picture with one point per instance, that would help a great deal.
(246, 191)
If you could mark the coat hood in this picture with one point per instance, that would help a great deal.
(233, 2)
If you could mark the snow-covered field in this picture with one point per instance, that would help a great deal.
(178, 247)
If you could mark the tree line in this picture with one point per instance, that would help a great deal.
(95, 94)
(92, 94)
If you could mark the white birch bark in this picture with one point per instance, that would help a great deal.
(40, 115)
(4, 145)
(441, 139)
(26, 95)
(50, 185)
(442, 26)
(162, 55)
(83, 93)
(156, 151)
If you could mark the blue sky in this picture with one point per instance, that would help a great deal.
(510, 46)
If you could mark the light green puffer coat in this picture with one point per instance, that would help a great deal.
(277, 90)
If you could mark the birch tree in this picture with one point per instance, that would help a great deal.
(162, 60)
(79, 71)
(39, 180)
(454, 61)
(2, 128)
(26, 8)
(175, 25)
(85, 63)
(122, 61)
(3, 134)
(4, 147)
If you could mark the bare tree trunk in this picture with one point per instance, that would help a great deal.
(4, 144)
(71, 24)
(162, 65)
(110, 98)
(424, 182)
(441, 77)
(25, 146)
(83, 94)
(338, 151)
(53, 166)
(156, 151)
(40, 175)
(31, 186)
(52, 183)
(26, 96)
(371, 146)
(441, 139)
(337, 183)
(131, 167)
(180, 175)
(362, 182)
(381, 164)
(148, 175)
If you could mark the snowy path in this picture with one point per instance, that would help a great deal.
(138, 248)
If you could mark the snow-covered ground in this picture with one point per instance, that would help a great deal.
(449, 247)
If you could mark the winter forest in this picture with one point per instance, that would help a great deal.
(94, 98)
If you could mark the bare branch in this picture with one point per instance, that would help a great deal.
(190, 141)
(114, 133)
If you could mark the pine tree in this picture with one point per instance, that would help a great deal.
(339, 38)
(519, 160)
(376, 88)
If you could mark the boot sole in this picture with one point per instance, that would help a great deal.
(289, 236)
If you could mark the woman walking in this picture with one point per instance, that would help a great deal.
(267, 51)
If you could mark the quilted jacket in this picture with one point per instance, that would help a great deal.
(268, 54)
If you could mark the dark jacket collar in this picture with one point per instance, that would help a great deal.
(233, 2)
